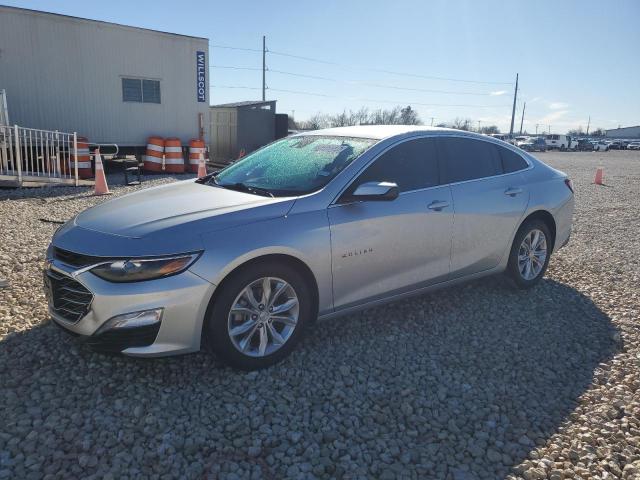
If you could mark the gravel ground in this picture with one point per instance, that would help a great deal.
(476, 381)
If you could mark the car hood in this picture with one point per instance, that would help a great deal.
(165, 219)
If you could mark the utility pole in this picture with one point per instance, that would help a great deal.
(549, 129)
(588, 125)
(479, 125)
(522, 120)
(432, 121)
(513, 111)
(264, 67)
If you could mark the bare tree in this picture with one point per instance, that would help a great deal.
(598, 132)
(316, 122)
(462, 124)
(489, 129)
(393, 116)
(360, 117)
(385, 117)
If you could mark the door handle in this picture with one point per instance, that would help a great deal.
(437, 205)
(513, 191)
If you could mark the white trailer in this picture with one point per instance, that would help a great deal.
(111, 83)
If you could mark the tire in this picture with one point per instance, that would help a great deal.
(514, 270)
(219, 321)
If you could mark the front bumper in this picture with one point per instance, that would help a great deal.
(184, 299)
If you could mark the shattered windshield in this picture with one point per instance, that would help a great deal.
(294, 165)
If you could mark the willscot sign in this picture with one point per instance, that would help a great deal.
(201, 77)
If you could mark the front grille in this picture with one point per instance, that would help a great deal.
(69, 298)
(75, 259)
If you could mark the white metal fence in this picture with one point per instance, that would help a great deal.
(40, 156)
(4, 113)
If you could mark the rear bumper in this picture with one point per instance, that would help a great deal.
(183, 298)
(564, 220)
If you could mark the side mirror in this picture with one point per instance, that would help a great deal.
(375, 191)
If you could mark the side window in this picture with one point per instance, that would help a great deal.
(468, 159)
(511, 161)
(140, 90)
(411, 165)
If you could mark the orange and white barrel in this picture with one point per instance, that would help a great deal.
(83, 160)
(196, 148)
(155, 151)
(173, 159)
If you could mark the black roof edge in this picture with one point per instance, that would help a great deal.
(101, 21)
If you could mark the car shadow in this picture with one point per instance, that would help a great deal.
(462, 383)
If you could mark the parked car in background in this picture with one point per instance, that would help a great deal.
(520, 139)
(600, 146)
(560, 142)
(243, 260)
(501, 136)
(573, 143)
(617, 145)
(633, 146)
(534, 144)
(585, 145)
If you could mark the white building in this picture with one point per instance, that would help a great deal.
(108, 82)
(625, 132)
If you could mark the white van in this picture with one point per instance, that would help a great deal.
(561, 142)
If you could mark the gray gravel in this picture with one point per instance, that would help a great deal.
(477, 381)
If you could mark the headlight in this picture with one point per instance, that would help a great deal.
(136, 270)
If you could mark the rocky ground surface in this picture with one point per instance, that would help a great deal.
(473, 382)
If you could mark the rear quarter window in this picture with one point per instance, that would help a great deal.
(511, 161)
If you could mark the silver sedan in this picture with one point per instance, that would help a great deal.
(311, 226)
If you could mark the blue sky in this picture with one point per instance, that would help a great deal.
(575, 58)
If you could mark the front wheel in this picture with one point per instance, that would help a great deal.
(259, 315)
(530, 253)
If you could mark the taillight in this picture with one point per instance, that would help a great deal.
(569, 184)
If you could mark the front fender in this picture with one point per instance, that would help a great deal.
(303, 236)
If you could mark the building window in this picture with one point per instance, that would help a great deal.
(140, 90)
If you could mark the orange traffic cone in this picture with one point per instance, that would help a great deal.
(599, 180)
(202, 167)
(101, 181)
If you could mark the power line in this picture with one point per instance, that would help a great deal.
(228, 47)
(377, 85)
(355, 82)
(392, 72)
(327, 62)
(370, 100)
(232, 67)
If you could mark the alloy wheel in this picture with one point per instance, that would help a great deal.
(263, 317)
(532, 254)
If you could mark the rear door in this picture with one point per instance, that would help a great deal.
(489, 197)
(380, 248)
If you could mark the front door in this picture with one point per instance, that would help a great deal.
(384, 247)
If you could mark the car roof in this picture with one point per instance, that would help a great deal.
(377, 132)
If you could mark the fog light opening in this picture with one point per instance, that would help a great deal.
(144, 318)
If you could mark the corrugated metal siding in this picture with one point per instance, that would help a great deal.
(66, 74)
(223, 134)
(257, 127)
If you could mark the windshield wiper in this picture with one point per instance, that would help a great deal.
(243, 187)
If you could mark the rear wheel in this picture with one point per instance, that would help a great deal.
(530, 253)
(259, 315)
